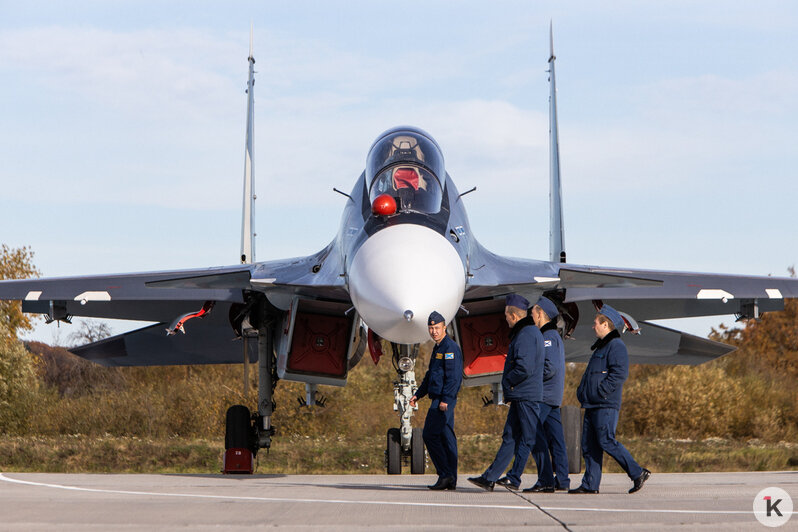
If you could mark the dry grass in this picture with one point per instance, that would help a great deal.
(340, 455)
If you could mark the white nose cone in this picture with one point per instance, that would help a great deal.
(400, 275)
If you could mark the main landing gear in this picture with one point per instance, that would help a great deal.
(247, 433)
(404, 445)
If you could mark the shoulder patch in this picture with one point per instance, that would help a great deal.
(439, 356)
(546, 343)
(449, 356)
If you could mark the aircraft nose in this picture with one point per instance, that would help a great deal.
(400, 275)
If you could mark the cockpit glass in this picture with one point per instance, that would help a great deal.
(406, 165)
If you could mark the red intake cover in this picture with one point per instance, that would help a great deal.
(320, 344)
(485, 342)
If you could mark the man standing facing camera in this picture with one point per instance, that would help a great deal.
(600, 394)
(441, 383)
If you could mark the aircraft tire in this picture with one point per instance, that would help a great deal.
(237, 430)
(418, 462)
(572, 428)
(394, 455)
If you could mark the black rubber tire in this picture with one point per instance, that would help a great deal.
(237, 428)
(394, 465)
(572, 428)
(418, 460)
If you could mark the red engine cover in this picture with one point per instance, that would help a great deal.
(238, 461)
(485, 342)
(319, 345)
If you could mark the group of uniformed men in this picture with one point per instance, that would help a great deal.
(533, 382)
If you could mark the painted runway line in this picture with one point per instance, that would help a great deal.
(363, 502)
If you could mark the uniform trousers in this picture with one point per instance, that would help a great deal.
(549, 437)
(440, 439)
(519, 433)
(598, 437)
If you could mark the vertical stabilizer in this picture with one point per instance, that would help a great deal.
(556, 231)
(248, 211)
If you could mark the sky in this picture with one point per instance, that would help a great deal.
(122, 127)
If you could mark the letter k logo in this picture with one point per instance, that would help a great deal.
(772, 506)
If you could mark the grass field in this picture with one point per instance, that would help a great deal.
(339, 455)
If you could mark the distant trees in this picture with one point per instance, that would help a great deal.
(89, 331)
(15, 263)
(19, 384)
(768, 346)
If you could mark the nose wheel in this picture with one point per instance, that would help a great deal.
(396, 457)
(404, 445)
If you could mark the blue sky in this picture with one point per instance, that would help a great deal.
(123, 126)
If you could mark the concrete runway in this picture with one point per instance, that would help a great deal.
(43, 501)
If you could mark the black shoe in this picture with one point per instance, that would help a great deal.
(540, 489)
(639, 481)
(582, 490)
(564, 488)
(444, 483)
(507, 483)
(482, 482)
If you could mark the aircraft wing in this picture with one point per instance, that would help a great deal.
(643, 294)
(164, 295)
(675, 294)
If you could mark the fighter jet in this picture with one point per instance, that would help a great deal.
(404, 248)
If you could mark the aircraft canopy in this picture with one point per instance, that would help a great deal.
(406, 164)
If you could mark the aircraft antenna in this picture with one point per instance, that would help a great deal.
(556, 230)
(248, 211)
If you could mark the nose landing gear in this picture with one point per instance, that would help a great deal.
(405, 444)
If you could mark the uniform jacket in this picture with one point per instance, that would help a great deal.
(522, 379)
(607, 369)
(553, 365)
(445, 373)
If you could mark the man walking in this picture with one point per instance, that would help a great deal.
(522, 384)
(600, 394)
(549, 434)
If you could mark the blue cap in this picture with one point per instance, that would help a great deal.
(548, 306)
(434, 318)
(614, 317)
(515, 300)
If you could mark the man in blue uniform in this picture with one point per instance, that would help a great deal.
(441, 383)
(600, 394)
(522, 384)
(549, 434)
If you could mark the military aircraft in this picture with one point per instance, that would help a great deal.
(403, 249)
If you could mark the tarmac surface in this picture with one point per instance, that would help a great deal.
(45, 501)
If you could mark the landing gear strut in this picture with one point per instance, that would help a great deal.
(245, 433)
(404, 444)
